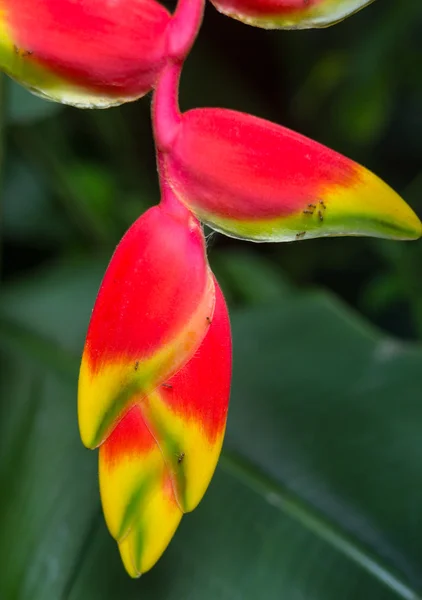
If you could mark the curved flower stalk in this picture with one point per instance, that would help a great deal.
(152, 312)
(290, 14)
(262, 182)
(159, 460)
(87, 53)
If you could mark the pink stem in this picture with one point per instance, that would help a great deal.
(184, 27)
(182, 32)
(169, 202)
(166, 116)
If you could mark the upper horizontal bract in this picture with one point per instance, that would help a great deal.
(253, 179)
(84, 52)
(289, 14)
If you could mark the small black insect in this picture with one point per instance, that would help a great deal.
(167, 385)
(21, 52)
(209, 320)
(312, 206)
(300, 235)
(308, 212)
(136, 367)
(321, 218)
(180, 457)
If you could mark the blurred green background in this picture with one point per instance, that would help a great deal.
(318, 495)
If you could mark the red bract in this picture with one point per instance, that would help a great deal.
(84, 52)
(152, 312)
(289, 14)
(253, 179)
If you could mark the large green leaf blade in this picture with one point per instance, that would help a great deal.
(235, 546)
(320, 499)
(48, 485)
(337, 419)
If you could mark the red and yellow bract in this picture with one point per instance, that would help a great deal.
(151, 314)
(263, 182)
(84, 52)
(159, 460)
(289, 14)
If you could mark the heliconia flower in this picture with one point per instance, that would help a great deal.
(152, 312)
(256, 180)
(84, 52)
(159, 460)
(290, 14)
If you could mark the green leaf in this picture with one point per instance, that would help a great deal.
(48, 483)
(317, 496)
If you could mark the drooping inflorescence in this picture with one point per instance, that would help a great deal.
(155, 375)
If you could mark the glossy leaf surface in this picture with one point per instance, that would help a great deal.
(330, 441)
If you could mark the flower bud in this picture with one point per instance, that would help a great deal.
(151, 314)
(137, 494)
(289, 14)
(84, 52)
(159, 460)
(256, 180)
